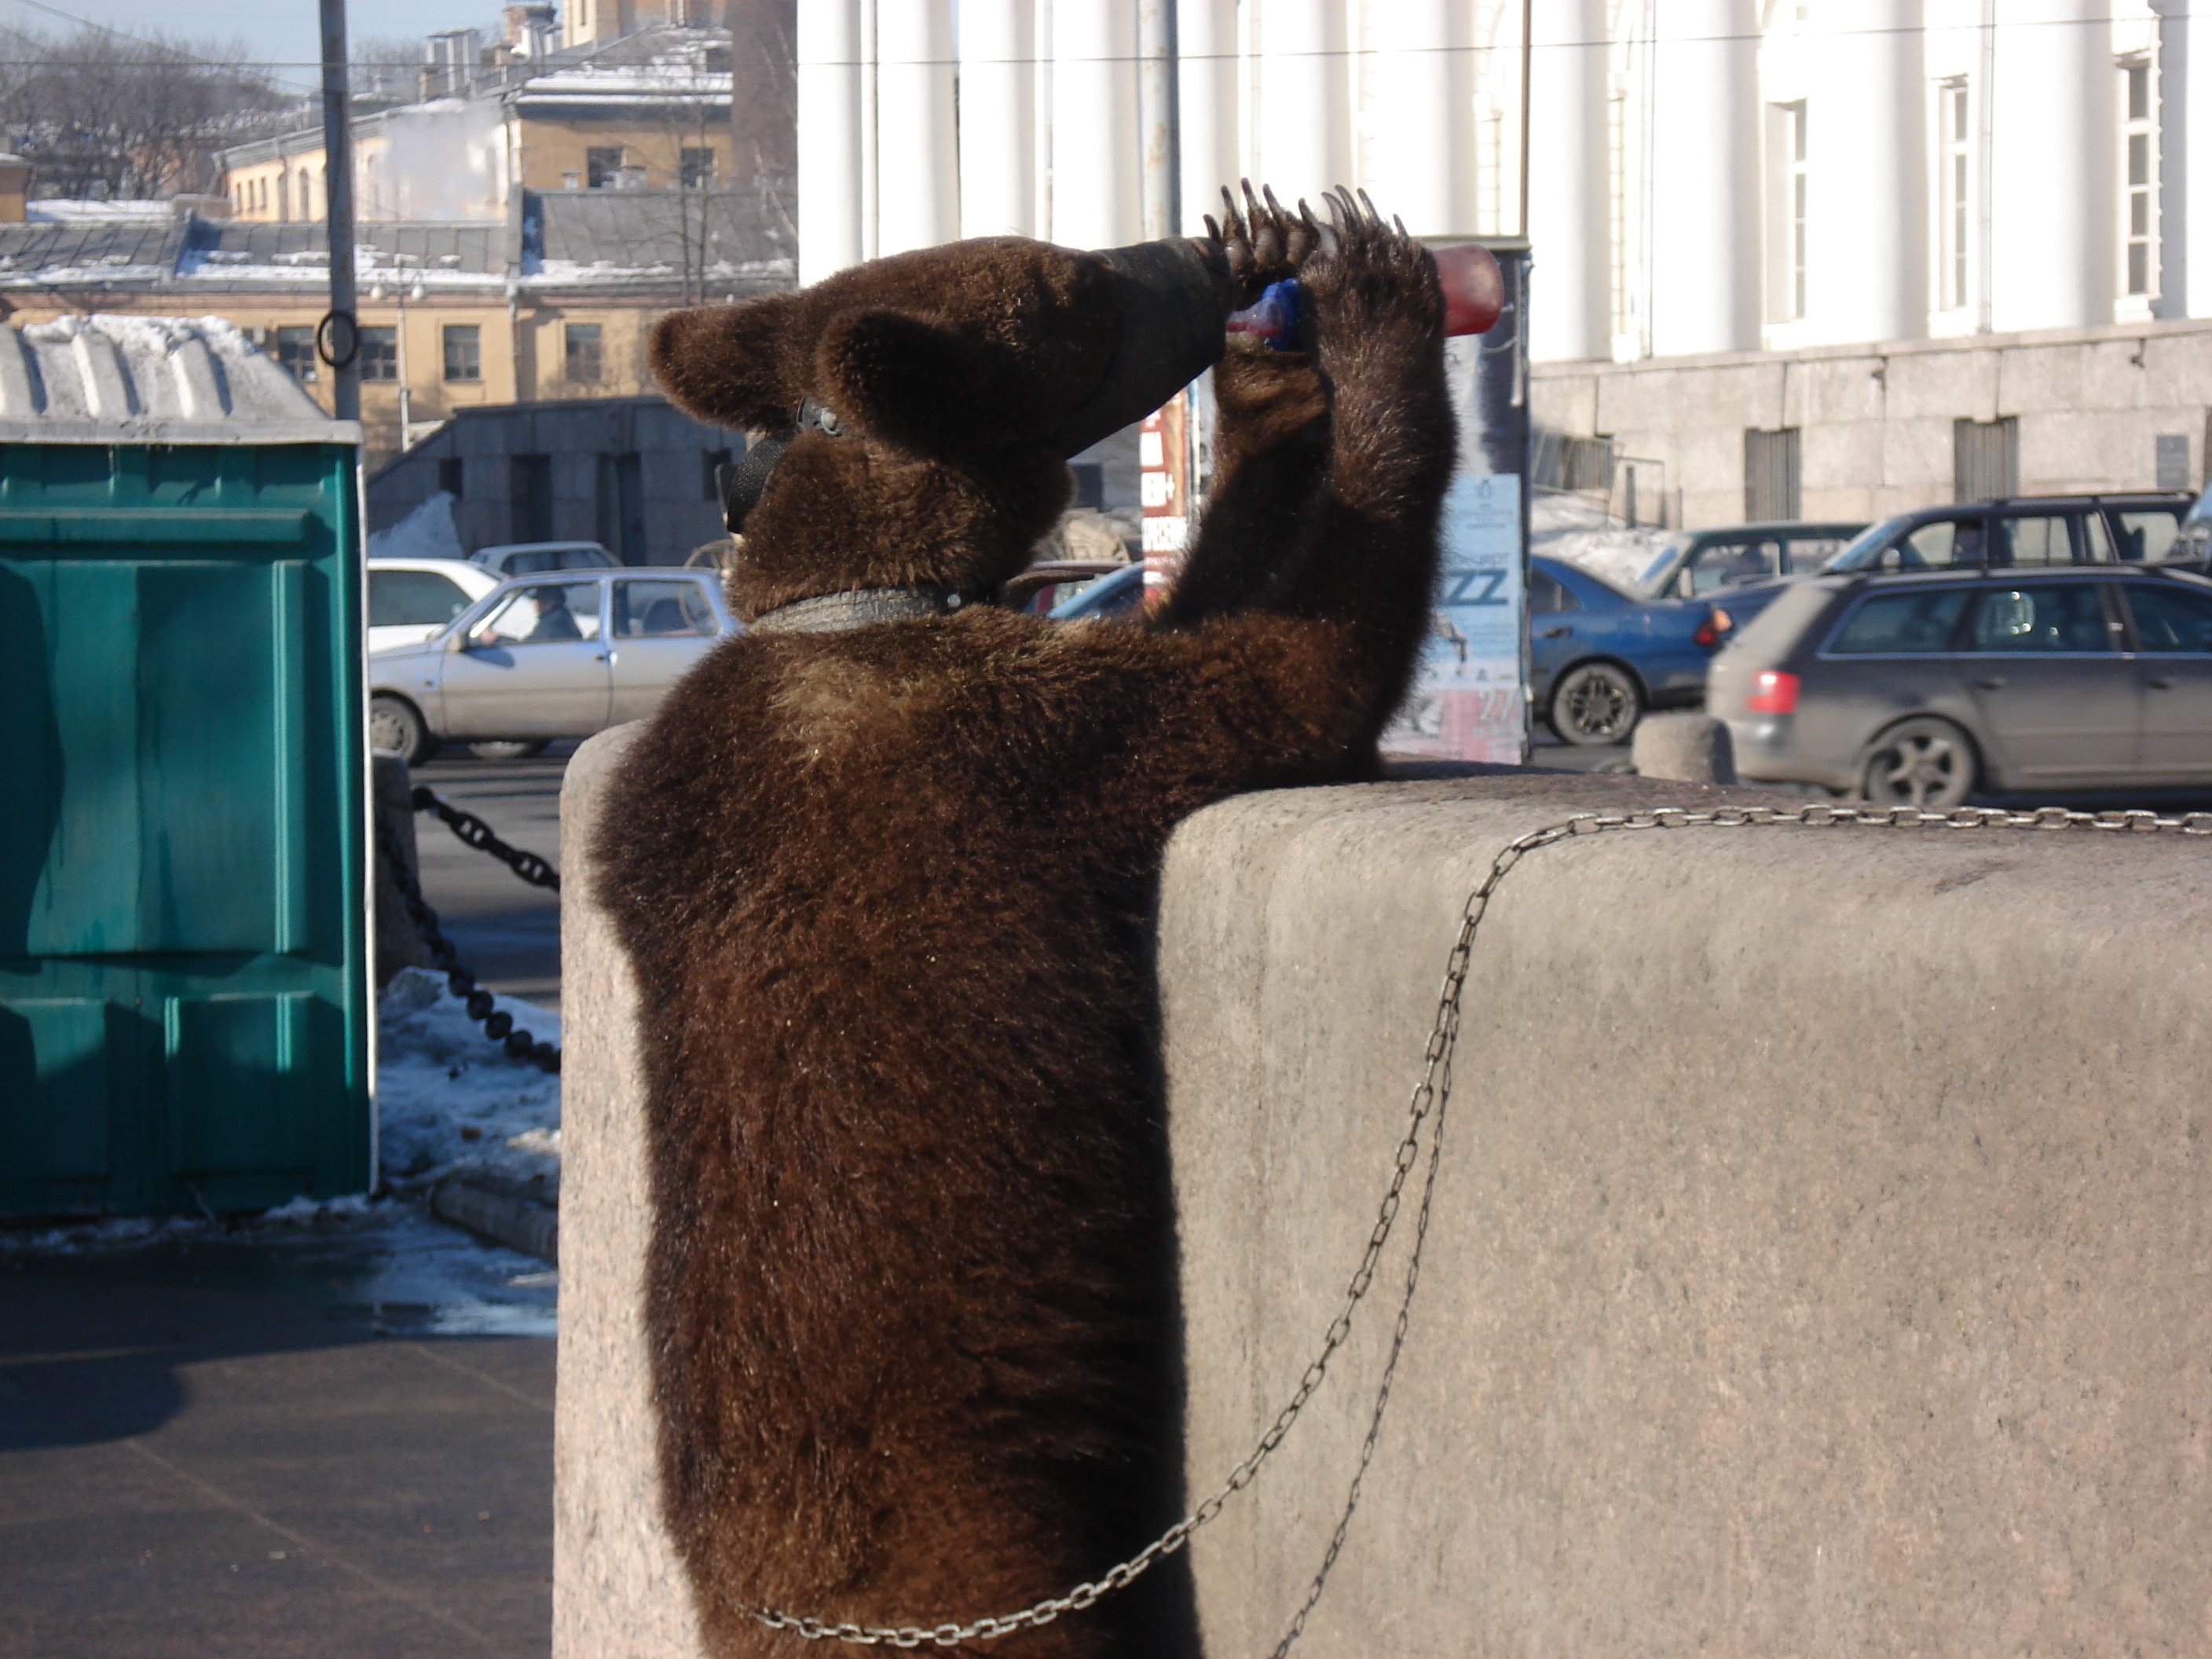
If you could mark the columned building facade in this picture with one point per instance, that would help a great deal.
(1818, 257)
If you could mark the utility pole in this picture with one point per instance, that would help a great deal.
(338, 339)
(1159, 119)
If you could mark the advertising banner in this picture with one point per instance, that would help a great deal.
(1466, 703)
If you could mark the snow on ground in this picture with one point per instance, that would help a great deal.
(450, 1101)
(1579, 533)
(426, 533)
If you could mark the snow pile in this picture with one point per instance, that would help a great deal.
(449, 1101)
(62, 210)
(428, 532)
(1579, 533)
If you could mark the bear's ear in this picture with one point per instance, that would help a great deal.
(921, 386)
(731, 365)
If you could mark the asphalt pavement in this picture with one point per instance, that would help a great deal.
(274, 1443)
(508, 931)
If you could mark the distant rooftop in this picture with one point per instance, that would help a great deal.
(107, 379)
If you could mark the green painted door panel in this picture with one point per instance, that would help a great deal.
(54, 1090)
(184, 988)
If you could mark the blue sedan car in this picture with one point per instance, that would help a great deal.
(1598, 657)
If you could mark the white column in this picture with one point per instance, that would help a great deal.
(1206, 41)
(1570, 183)
(2185, 51)
(2055, 224)
(1417, 106)
(832, 87)
(1704, 179)
(997, 118)
(1304, 122)
(1094, 159)
(1866, 116)
(917, 146)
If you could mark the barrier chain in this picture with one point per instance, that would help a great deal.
(480, 835)
(1431, 1097)
(499, 1025)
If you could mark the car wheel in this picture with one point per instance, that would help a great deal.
(504, 749)
(1595, 702)
(1923, 761)
(394, 724)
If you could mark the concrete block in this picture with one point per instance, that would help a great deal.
(1691, 747)
(1822, 1240)
(617, 1590)
(391, 796)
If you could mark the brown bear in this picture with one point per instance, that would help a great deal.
(887, 886)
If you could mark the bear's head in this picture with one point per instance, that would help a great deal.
(957, 378)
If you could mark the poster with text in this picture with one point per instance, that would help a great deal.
(1466, 701)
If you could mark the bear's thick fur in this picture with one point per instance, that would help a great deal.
(887, 892)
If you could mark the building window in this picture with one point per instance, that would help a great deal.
(2139, 180)
(463, 352)
(449, 476)
(697, 169)
(603, 167)
(581, 341)
(1794, 122)
(1954, 194)
(295, 353)
(1773, 474)
(1787, 200)
(1616, 146)
(380, 353)
(1985, 459)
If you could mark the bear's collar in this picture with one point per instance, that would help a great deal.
(833, 613)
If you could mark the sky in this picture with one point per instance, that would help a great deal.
(274, 30)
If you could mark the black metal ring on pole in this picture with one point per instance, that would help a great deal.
(341, 327)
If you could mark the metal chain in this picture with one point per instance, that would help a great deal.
(480, 835)
(1429, 1098)
(499, 1024)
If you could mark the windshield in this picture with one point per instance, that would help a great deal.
(2202, 513)
(1864, 546)
(1669, 550)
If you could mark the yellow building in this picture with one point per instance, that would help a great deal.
(554, 303)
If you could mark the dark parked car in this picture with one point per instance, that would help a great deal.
(1598, 657)
(1924, 688)
(2016, 532)
(1710, 563)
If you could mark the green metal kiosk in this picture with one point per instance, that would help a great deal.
(185, 993)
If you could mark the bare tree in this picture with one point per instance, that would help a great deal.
(103, 115)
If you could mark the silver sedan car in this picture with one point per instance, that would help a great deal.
(1921, 689)
(542, 657)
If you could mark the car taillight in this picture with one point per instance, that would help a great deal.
(1772, 692)
(1715, 628)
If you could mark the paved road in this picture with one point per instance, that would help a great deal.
(274, 1444)
(508, 931)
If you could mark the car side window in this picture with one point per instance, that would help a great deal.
(413, 598)
(1936, 545)
(2047, 617)
(2148, 534)
(1731, 564)
(1548, 593)
(2034, 539)
(1900, 623)
(1807, 555)
(2171, 619)
(528, 564)
(549, 613)
(662, 610)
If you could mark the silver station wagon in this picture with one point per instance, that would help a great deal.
(1922, 688)
(542, 657)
